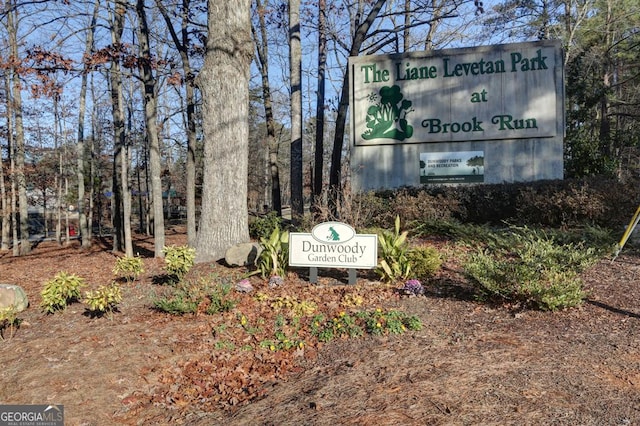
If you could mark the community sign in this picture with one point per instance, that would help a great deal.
(505, 102)
(333, 245)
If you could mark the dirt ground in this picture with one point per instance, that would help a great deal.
(470, 364)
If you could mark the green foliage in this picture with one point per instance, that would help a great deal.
(61, 290)
(394, 262)
(341, 326)
(188, 297)
(219, 299)
(294, 307)
(103, 300)
(530, 268)
(377, 322)
(129, 267)
(285, 335)
(178, 260)
(263, 227)
(181, 302)
(380, 322)
(8, 321)
(274, 258)
(424, 261)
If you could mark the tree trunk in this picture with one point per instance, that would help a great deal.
(80, 147)
(335, 173)
(8, 205)
(319, 145)
(16, 110)
(272, 142)
(297, 204)
(150, 115)
(121, 194)
(182, 44)
(224, 83)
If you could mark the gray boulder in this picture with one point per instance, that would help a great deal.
(244, 254)
(13, 296)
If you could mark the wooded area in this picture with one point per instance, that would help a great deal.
(122, 116)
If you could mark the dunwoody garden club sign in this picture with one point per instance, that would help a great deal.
(487, 114)
(333, 245)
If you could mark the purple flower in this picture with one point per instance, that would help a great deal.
(413, 287)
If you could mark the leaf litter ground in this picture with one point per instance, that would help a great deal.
(471, 363)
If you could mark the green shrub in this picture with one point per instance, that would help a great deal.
(529, 268)
(394, 248)
(274, 258)
(129, 267)
(178, 260)
(103, 300)
(263, 227)
(61, 290)
(424, 261)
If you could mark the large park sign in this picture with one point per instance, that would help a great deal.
(488, 114)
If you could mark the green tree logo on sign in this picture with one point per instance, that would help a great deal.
(386, 118)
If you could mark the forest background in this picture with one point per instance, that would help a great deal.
(105, 104)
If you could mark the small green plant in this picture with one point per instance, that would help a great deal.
(394, 264)
(219, 300)
(181, 302)
(341, 326)
(188, 297)
(178, 260)
(285, 335)
(379, 322)
(8, 321)
(294, 307)
(129, 267)
(263, 227)
(63, 289)
(104, 300)
(274, 258)
(424, 261)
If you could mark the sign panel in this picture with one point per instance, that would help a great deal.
(452, 167)
(333, 245)
(492, 92)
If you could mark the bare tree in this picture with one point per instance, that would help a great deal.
(121, 194)
(85, 232)
(150, 115)
(16, 111)
(183, 45)
(262, 55)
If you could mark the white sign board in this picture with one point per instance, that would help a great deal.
(494, 92)
(333, 245)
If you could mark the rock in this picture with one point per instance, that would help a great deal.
(244, 254)
(13, 296)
